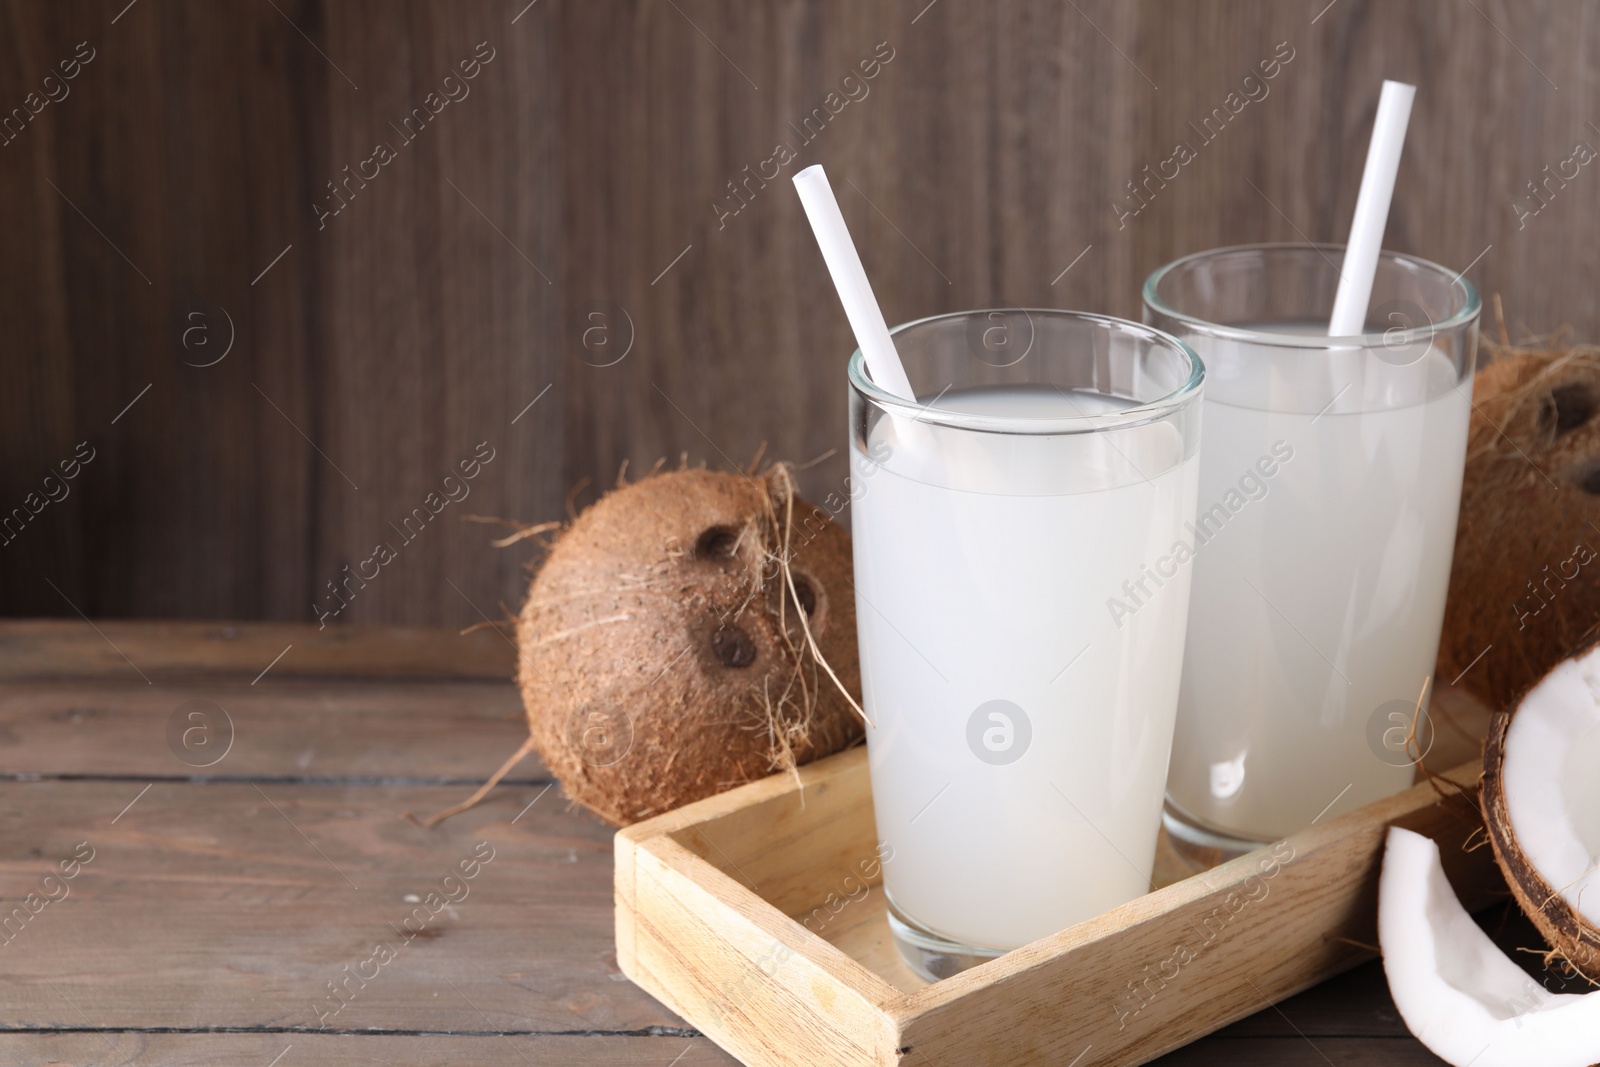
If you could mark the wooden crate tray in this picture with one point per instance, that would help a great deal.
(758, 916)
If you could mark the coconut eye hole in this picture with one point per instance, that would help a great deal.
(733, 647)
(718, 543)
(813, 601)
(1570, 407)
(806, 593)
(1590, 483)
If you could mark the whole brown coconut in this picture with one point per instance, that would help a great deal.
(688, 633)
(1525, 585)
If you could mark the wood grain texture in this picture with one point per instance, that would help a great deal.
(228, 904)
(577, 204)
(360, 1050)
(420, 732)
(149, 650)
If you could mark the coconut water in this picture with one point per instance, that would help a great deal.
(1315, 612)
(1022, 725)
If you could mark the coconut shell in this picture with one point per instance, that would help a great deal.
(1572, 937)
(662, 657)
(1525, 584)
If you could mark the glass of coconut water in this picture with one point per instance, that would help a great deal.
(1325, 529)
(1021, 724)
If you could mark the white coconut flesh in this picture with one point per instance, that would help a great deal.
(1457, 992)
(1552, 781)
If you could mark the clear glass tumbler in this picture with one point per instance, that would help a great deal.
(1021, 716)
(1322, 546)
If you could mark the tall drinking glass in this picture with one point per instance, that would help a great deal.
(1022, 720)
(1322, 547)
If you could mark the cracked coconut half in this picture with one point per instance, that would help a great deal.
(1541, 804)
(1458, 993)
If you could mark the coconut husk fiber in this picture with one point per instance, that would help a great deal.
(688, 632)
(1525, 585)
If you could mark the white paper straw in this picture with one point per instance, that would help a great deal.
(850, 279)
(1372, 210)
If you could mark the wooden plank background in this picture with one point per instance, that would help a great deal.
(580, 177)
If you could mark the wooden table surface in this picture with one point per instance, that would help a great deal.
(255, 910)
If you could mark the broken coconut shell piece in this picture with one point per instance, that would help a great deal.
(1457, 992)
(689, 632)
(1525, 582)
(1541, 804)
